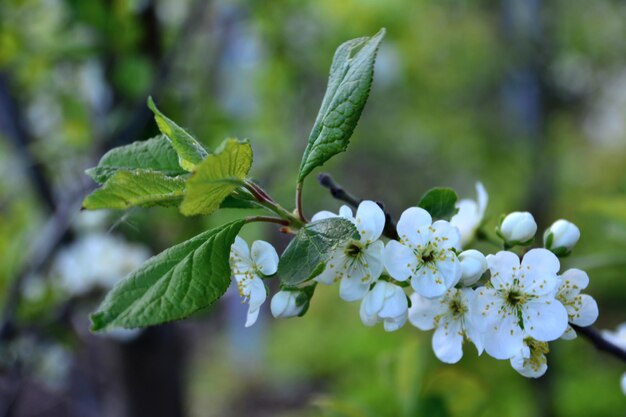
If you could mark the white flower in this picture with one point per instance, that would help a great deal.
(518, 227)
(582, 309)
(425, 253)
(618, 337)
(451, 316)
(520, 300)
(386, 302)
(531, 360)
(285, 304)
(359, 263)
(561, 236)
(97, 261)
(248, 267)
(470, 214)
(473, 266)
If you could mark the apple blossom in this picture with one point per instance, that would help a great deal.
(451, 316)
(519, 300)
(531, 360)
(470, 214)
(518, 228)
(561, 237)
(386, 302)
(248, 267)
(425, 253)
(473, 266)
(582, 309)
(285, 304)
(360, 262)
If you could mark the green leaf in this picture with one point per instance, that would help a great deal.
(190, 151)
(173, 284)
(156, 154)
(236, 202)
(349, 83)
(217, 177)
(440, 203)
(306, 255)
(139, 187)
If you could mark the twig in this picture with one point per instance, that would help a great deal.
(267, 219)
(600, 342)
(339, 193)
(299, 208)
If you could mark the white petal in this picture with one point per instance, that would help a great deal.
(257, 298)
(370, 221)
(448, 343)
(335, 269)
(240, 248)
(521, 365)
(545, 319)
(446, 235)
(411, 221)
(265, 257)
(322, 215)
(587, 311)
(485, 308)
(366, 318)
(449, 269)
(428, 282)
(395, 304)
(572, 282)
(400, 260)
(570, 334)
(394, 323)
(538, 273)
(424, 310)
(374, 300)
(468, 297)
(467, 220)
(483, 198)
(504, 339)
(353, 288)
(240, 262)
(346, 212)
(373, 256)
(503, 266)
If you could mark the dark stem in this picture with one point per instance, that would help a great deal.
(600, 343)
(299, 208)
(267, 219)
(339, 193)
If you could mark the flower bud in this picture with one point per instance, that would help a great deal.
(561, 237)
(473, 266)
(518, 228)
(284, 304)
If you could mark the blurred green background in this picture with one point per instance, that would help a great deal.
(528, 97)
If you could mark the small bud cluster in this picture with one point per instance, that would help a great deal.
(506, 304)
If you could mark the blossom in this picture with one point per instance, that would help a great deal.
(360, 262)
(561, 237)
(386, 302)
(285, 304)
(519, 301)
(425, 253)
(248, 266)
(518, 228)
(451, 316)
(531, 360)
(470, 214)
(473, 266)
(582, 309)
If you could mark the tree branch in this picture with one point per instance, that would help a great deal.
(600, 342)
(339, 193)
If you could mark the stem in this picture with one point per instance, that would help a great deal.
(482, 236)
(299, 208)
(599, 342)
(267, 219)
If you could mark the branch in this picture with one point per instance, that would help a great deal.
(600, 342)
(339, 193)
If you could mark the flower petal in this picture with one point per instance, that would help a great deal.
(428, 282)
(538, 272)
(257, 294)
(265, 257)
(370, 221)
(572, 282)
(346, 212)
(396, 303)
(446, 235)
(410, 226)
(485, 308)
(483, 198)
(504, 339)
(525, 368)
(503, 266)
(586, 311)
(449, 268)
(373, 257)
(545, 319)
(353, 288)
(467, 220)
(400, 260)
(335, 269)
(323, 215)
(448, 342)
(424, 310)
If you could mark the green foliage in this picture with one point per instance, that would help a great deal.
(307, 254)
(139, 187)
(156, 154)
(351, 75)
(440, 203)
(172, 285)
(217, 177)
(190, 151)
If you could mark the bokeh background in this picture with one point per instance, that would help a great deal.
(528, 97)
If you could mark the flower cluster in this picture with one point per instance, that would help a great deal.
(509, 304)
